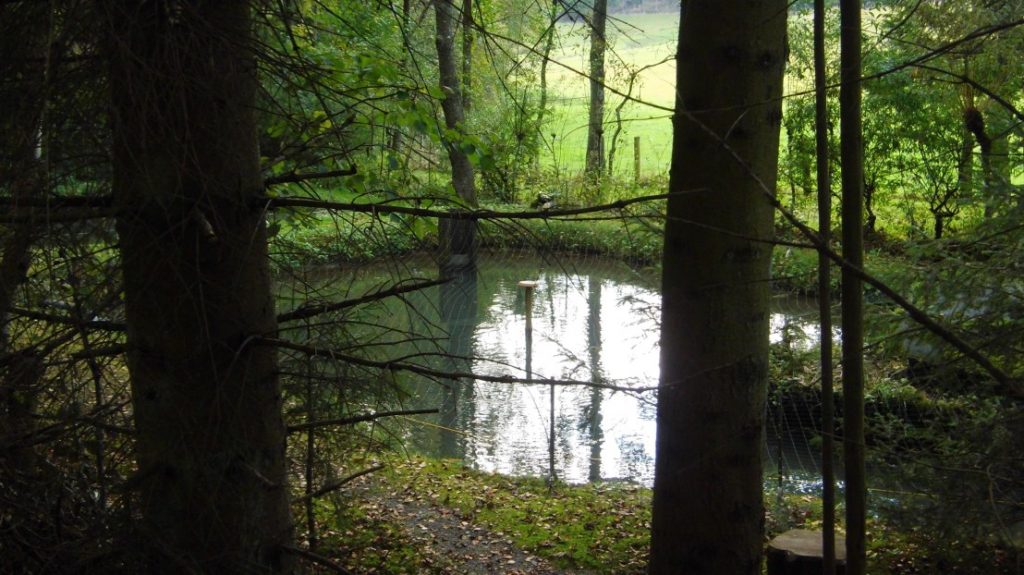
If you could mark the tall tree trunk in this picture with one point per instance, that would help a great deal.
(451, 105)
(395, 133)
(708, 513)
(852, 155)
(210, 439)
(22, 177)
(595, 122)
(467, 55)
(824, 182)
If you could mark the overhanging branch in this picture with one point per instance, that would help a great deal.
(336, 355)
(459, 212)
(307, 311)
(351, 420)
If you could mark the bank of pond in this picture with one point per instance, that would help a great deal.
(595, 321)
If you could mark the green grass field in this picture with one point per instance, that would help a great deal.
(635, 41)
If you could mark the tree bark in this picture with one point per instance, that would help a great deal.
(207, 403)
(852, 156)
(467, 55)
(463, 177)
(974, 122)
(824, 183)
(23, 44)
(708, 514)
(595, 123)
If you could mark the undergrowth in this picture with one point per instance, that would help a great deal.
(599, 528)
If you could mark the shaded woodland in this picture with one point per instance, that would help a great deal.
(184, 388)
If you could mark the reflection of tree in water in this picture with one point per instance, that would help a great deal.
(503, 427)
(635, 462)
(458, 305)
(594, 347)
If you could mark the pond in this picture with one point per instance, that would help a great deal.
(593, 320)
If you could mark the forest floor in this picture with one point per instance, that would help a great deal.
(446, 541)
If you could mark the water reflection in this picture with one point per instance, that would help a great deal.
(598, 324)
(588, 327)
(457, 302)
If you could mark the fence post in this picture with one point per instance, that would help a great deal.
(636, 159)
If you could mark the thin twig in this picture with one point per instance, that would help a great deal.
(330, 487)
(351, 420)
(315, 558)
(460, 213)
(430, 372)
(307, 310)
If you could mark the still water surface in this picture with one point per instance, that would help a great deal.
(593, 320)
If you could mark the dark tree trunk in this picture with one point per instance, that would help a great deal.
(595, 125)
(454, 116)
(23, 44)
(868, 193)
(824, 182)
(852, 153)
(210, 439)
(708, 514)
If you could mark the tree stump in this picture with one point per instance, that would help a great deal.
(798, 552)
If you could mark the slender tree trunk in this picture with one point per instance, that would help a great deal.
(549, 44)
(395, 140)
(824, 181)
(595, 123)
(210, 439)
(454, 116)
(708, 513)
(852, 154)
(965, 165)
(868, 195)
(467, 55)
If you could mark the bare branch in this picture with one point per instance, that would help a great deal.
(436, 373)
(461, 213)
(309, 310)
(68, 320)
(356, 419)
(294, 177)
(315, 558)
(330, 487)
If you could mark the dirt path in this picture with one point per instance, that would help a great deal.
(450, 543)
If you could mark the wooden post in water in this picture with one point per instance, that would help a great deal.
(636, 159)
(528, 287)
